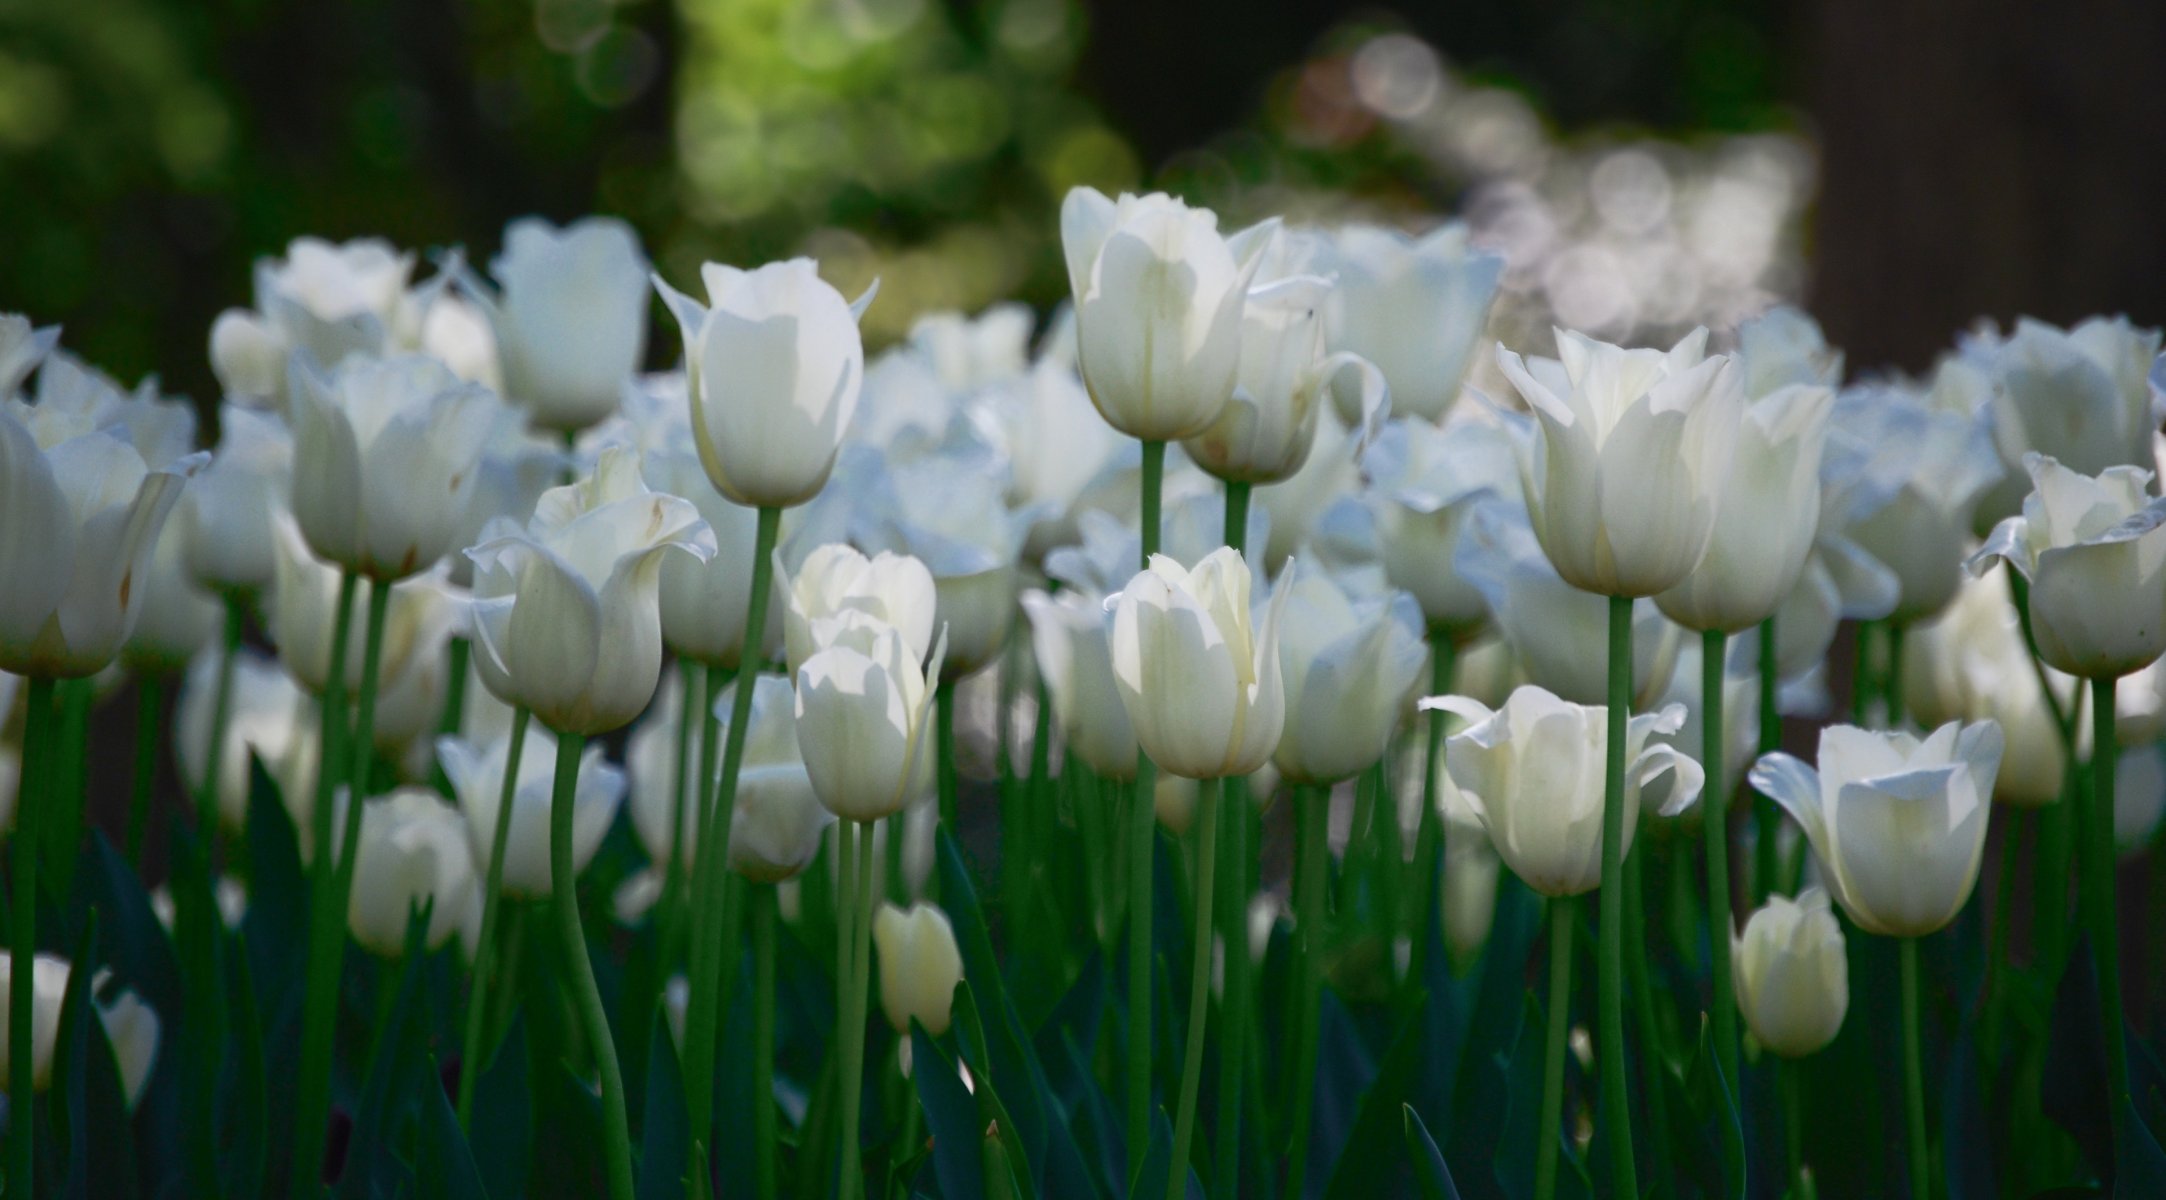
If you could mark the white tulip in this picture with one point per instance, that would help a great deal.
(919, 966)
(1898, 824)
(704, 602)
(22, 348)
(1793, 981)
(476, 772)
(1532, 773)
(183, 620)
(1349, 665)
(650, 761)
(330, 300)
(1628, 454)
(2075, 395)
(778, 821)
(863, 716)
(948, 512)
(1416, 307)
(2094, 549)
(1971, 664)
(1159, 295)
(1199, 676)
(571, 325)
(224, 521)
(567, 614)
(968, 353)
(304, 615)
(1470, 885)
(412, 853)
(837, 579)
(269, 717)
(1425, 481)
(1072, 637)
(774, 370)
(1268, 428)
(1784, 347)
(1057, 448)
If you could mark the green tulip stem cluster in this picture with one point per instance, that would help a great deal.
(1428, 862)
(1563, 914)
(221, 713)
(37, 771)
(708, 963)
(1715, 821)
(1767, 817)
(1610, 966)
(854, 921)
(1233, 919)
(492, 908)
(1199, 985)
(586, 994)
(1142, 839)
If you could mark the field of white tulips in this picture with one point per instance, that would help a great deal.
(1247, 733)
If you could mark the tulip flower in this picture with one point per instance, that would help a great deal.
(2139, 706)
(1424, 483)
(1898, 824)
(1194, 525)
(2077, 395)
(412, 852)
(777, 821)
(1071, 634)
(651, 766)
(2094, 550)
(1784, 347)
(704, 602)
(1201, 682)
(1057, 448)
(304, 615)
(566, 612)
(1470, 887)
(1971, 664)
(132, 1029)
(1766, 516)
(1159, 297)
(476, 772)
(948, 512)
(571, 324)
(224, 522)
(969, 353)
(1415, 307)
(327, 300)
(1267, 429)
(835, 579)
(184, 619)
(2139, 799)
(1793, 980)
(1348, 665)
(774, 369)
(1627, 456)
(517, 465)
(919, 966)
(22, 348)
(1532, 774)
(385, 452)
(863, 709)
(269, 717)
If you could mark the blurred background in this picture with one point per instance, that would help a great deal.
(1902, 167)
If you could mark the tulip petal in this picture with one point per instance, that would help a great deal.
(1176, 675)
(37, 542)
(1793, 783)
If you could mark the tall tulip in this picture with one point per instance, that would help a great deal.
(1425, 482)
(1200, 679)
(1348, 665)
(412, 853)
(1416, 307)
(919, 966)
(1072, 636)
(571, 324)
(1268, 427)
(835, 579)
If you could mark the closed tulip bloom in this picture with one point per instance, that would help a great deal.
(774, 369)
(968, 353)
(1897, 824)
(1766, 516)
(413, 852)
(1793, 981)
(1628, 456)
(268, 717)
(571, 324)
(223, 524)
(650, 761)
(330, 300)
(567, 616)
(1970, 664)
(1285, 379)
(948, 511)
(476, 772)
(1199, 677)
(49, 986)
(1532, 774)
(895, 589)
(919, 966)
(704, 601)
(1425, 482)
(1072, 635)
(1784, 347)
(863, 716)
(2094, 549)
(1416, 307)
(2076, 395)
(385, 452)
(1349, 664)
(83, 515)
(1159, 296)
(776, 826)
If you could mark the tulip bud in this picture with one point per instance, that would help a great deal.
(2094, 549)
(1201, 684)
(1793, 982)
(1898, 824)
(248, 356)
(1533, 774)
(863, 709)
(777, 821)
(1635, 447)
(919, 966)
(385, 454)
(774, 371)
(413, 851)
(1470, 887)
(1416, 307)
(1071, 634)
(1348, 667)
(566, 612)
(304, 615)
(571, 326)
(1159, 295)
(1267, 429)
(476, 772)
(894, 589)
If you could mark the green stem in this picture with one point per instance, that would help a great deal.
(1609, 967)
(1715, 821)
(564, 884)
(1787, 1079)
(1861, 672)
(327, 922)
(1142, 836)
(1767, 816)
(1654, 1056)
(1199, 987)
(492, 907)
(1891, 678)
(2098, 902)
(149, 710)
(944, 763)
(1233, 1004)
(1154, 474)
(2058, 836)
(1563, 913)
(763, 1040)
(711, 960)
(1429, 829)
(674, 904)
(1914, 1075)
(33, 796)
(1237, 498)
(1312, 808)
(221, 714)
(452, 719)
(851, 1037)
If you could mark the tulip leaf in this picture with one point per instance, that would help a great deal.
(567, 1136)
(1477, 1124)
(1522, 1125)
(202, 1030)
(1092, 1116)
(247, 1107)
(131, 938)
(1373, 1162)
(443, 1161)
(69, 1101)
(1344, 1071)
(951, 1115)
(370, 1169)
(501, 1121)
(1713, 1103)
(993, 1113)
(2073, 1091)
(1430, 1174)
(666, 1138)
(2139, 1165)
(276, 923)
(1150, 1175)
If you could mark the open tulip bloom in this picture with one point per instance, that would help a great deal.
(1199, 677)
